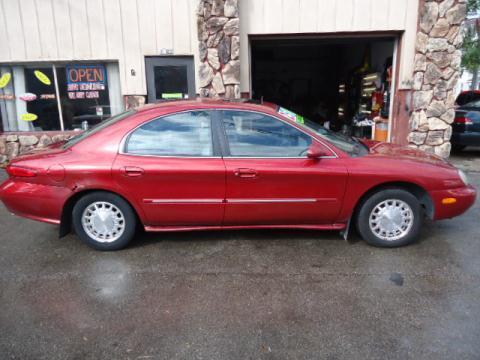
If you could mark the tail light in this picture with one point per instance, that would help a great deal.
(463, 120)
(19, 171)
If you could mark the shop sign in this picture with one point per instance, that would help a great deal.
(47, 96)
(5, 79)
(85, 81)
(29, 117)
(28, 97)
(7, 97)
(42, 77)
(172, 96)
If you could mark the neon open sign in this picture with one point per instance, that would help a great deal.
(84, 74)
(85, 81)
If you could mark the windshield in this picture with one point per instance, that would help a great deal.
(110, 121)
(349, 144)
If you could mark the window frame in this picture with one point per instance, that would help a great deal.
(216, 147)
(218, 114)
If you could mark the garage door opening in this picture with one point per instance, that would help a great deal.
(343, 83)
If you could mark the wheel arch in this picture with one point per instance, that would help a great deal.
(418, 191)
(66, 218)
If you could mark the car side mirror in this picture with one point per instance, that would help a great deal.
(316, 151)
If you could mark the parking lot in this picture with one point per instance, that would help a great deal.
(240, 295)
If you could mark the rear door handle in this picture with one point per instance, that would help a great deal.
(132, 171)
(246, 173)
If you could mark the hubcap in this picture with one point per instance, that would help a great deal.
(103, 222)
(391, 219)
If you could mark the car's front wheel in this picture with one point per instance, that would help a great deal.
(104, 221)
(390, 218)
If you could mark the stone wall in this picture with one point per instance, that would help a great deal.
(13, 144)
(437, 70)
(219, 48)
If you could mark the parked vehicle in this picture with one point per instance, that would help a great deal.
(204, 164)
(466, 126)
(467, 96)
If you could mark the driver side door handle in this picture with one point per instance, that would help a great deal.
(246, 173)
(132, 171)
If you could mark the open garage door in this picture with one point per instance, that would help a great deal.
(343, 83)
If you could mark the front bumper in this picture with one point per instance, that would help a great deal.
(34, 201)
(465, 198)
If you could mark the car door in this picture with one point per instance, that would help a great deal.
(270, 180)
(172, 167)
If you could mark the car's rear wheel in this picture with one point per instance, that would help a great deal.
(104, 221)
(390, 218)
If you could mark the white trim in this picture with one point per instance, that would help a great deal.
(254, 201)
(57, 94)
(278, 157)
(183, 201)
(234, 201)
(392, 89)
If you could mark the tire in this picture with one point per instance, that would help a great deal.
(117, 228)
(375, 214)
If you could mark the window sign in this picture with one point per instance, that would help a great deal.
(85, 81)
(5, 79)
(29, 101)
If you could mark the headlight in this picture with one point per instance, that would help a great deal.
(464, 177)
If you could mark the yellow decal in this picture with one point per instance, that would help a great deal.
(5, 79)
(29, 117)
(42, 77)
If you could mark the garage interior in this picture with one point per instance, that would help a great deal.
(343, 83)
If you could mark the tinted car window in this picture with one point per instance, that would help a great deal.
(466, 97)
(257, 135)
(473, 104)
(99, 127)
(184, 134)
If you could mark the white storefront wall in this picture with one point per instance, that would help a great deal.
(126, 31)
(109, 30)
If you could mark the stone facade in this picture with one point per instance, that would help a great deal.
(219, 48)
(14, 144)
(436, 72)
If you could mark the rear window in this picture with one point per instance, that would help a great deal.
(467, 97)
(99, 127)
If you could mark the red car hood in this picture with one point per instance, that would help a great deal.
(404, 153)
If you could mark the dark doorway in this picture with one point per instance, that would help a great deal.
(322, 79)
(171, 77)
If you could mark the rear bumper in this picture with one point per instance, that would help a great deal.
(466, 138)
(465, 198)
(34, 201)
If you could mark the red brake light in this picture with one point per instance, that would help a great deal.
(19, 171)
(463, 120)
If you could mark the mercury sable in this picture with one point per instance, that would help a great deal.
(203, 164)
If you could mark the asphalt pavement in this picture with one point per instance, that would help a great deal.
(240, 295)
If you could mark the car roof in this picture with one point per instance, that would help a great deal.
(207, 103)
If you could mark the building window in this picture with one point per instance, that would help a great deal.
(53, 97)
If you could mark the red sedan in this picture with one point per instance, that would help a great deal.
(202, 164)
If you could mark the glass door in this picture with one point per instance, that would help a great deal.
(171, 77)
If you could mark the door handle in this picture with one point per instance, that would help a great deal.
(132, 171)
(246, 173)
